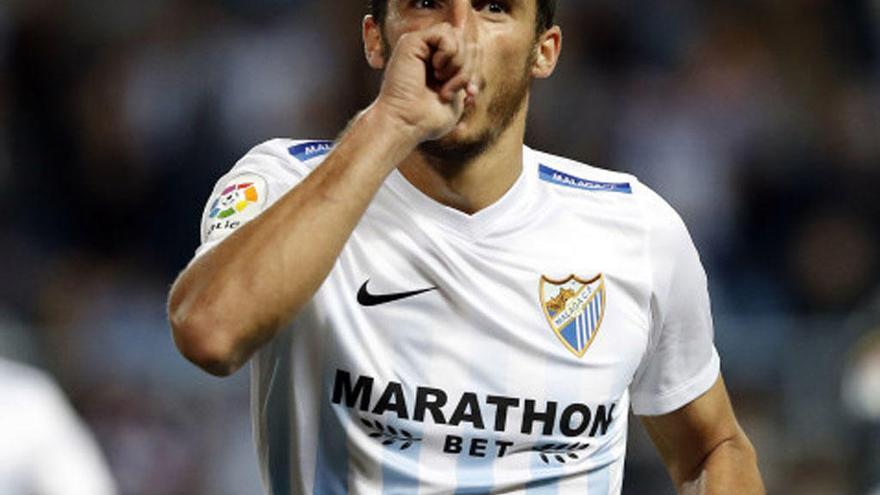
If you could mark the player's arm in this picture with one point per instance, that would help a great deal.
(704, 449)
(678, 391)
(236, 297)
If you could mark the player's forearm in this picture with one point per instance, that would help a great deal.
(732, 467)
(236, 297)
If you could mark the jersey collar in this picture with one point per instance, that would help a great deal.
(507, 211)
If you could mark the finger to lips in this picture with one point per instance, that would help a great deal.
(458, 102)
(469, 80)
(473, 89)
(443, 43)
(452, 63)
(472, 86)
(446, 50)
(452, 66)
(458, 83)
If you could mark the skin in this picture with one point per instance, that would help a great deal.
(704, 449)
(498, 41)
(451, 116)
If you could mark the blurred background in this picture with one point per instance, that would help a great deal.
(758, 120)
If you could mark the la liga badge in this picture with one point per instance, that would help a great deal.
(574, 308)
(239, 201)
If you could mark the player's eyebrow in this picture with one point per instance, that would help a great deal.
(516, 3)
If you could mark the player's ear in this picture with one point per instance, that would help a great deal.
(374, 46)
(547, 51)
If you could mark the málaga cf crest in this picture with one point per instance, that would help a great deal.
(574, 308)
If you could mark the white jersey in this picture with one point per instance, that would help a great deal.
(44, 447)
(498, 352)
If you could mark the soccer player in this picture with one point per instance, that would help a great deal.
(430, 306)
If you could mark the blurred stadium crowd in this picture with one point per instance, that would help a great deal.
(758, 120)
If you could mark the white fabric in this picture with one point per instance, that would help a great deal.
(482, 339)
(44, 448)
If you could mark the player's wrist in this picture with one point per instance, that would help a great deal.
(378, 140)
(386, 121)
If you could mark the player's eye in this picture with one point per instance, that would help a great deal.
(424, 4)
(496, 7)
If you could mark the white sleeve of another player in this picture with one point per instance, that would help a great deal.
(681, 363)
(259, 179)
(67, 461)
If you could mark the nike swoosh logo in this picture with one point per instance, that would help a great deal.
(366, 299)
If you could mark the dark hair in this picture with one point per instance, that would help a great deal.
(544, 21)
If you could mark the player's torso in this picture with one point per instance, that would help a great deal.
(446, 353)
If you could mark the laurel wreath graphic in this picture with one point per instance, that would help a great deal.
(560, 452)
(390, 435)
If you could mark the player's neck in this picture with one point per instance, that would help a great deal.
(476, 185)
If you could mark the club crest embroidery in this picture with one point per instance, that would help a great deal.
(575, 308)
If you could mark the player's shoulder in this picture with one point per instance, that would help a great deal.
(570, 175)
(309, 152)
(298, 156)
(580, 182)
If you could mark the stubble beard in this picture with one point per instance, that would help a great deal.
(450, 153)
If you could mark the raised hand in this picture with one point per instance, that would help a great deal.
(430, 79)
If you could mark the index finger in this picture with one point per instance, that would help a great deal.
(444, 43)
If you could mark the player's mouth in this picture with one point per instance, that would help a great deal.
(471, 100)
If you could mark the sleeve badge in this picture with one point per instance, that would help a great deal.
(241, 200)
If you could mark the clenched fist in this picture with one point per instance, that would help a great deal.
(430, 79)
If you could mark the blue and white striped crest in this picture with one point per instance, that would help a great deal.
(574, 308)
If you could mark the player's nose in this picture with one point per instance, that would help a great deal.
(462, 16)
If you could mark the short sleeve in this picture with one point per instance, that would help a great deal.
(681, 362)
(256, 181)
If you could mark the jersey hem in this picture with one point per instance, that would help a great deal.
(683, 395)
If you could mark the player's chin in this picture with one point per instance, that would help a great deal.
(461, 145)
(460, 136)
(469, 128)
